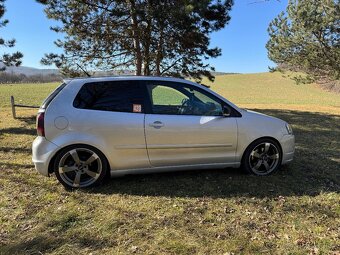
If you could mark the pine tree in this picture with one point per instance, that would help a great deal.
(7, 59)
(150, 37)
(307, 38)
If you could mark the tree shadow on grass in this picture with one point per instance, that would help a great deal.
(26, 127)
(15, 150)
(30, 120)
(18, 131)
(46, 242)
(15, 166)
(315, 169)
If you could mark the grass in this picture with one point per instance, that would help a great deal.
(29, 94)
(274, 91)
(295, 211)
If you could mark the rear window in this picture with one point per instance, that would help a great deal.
(116, 96)
(49, 99)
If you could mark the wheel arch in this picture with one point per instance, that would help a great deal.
(263, 137)
(52, 161)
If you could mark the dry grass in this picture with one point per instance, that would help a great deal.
(295, 211)
(272, 90)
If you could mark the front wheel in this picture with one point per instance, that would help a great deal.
(80, 166)
(262, 157)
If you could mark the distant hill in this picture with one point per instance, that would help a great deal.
(29, 71)
(221, 73)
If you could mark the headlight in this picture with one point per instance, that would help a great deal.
(289, 129)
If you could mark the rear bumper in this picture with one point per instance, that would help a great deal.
(288, 148)
(42, 153)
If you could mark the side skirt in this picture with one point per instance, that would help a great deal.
(163, 169)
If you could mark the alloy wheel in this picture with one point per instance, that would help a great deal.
(80, 167)
(264, 158)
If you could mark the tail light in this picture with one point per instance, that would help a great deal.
(40, 124)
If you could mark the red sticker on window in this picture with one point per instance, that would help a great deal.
(137, 108)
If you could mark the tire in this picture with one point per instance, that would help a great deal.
(80, 166)
(262, 157)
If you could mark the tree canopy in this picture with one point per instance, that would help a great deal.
(148, 36)
(7, 59)
(307, 38)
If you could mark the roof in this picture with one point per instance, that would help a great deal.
(127, 77)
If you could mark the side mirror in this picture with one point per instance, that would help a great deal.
(226, 111)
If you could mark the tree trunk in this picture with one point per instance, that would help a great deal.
(147, 45)
(159, 56)
(136, 38)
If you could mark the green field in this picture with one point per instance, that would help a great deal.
(295, 211)
(29, 94)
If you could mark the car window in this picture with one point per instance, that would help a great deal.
(163, 95)
(117, 96)
(182, 99)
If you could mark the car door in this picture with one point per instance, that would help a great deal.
(185, 126)
(110, 116)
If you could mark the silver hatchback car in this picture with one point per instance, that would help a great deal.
(91, 127)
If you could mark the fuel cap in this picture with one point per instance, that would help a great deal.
(61, 122)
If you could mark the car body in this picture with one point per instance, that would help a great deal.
(152, 124)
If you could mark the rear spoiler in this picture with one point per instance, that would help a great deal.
(67, 80)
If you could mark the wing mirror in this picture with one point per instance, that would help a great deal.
(226, 111)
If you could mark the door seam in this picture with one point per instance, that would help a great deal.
(146, 144)
(237, 138)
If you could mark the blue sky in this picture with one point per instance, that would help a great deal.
(242, 41)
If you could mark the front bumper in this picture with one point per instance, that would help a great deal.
(288, 148)
(42, 153)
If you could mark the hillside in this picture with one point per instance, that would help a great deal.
(29, 71)
(274, 90)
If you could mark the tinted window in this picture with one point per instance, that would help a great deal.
(49, 99)
(181, 99)
(117, 96)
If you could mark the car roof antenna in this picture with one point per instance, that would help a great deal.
(88, 75)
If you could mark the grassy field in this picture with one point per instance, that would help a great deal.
(296, 211)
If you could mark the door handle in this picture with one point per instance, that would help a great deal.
(156, 124)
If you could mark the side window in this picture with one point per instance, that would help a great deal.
(116, 96)
(163, 95)
(165, 99)
(180, 99)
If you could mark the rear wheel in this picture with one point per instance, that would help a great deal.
(262, 157)
(80, 166)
